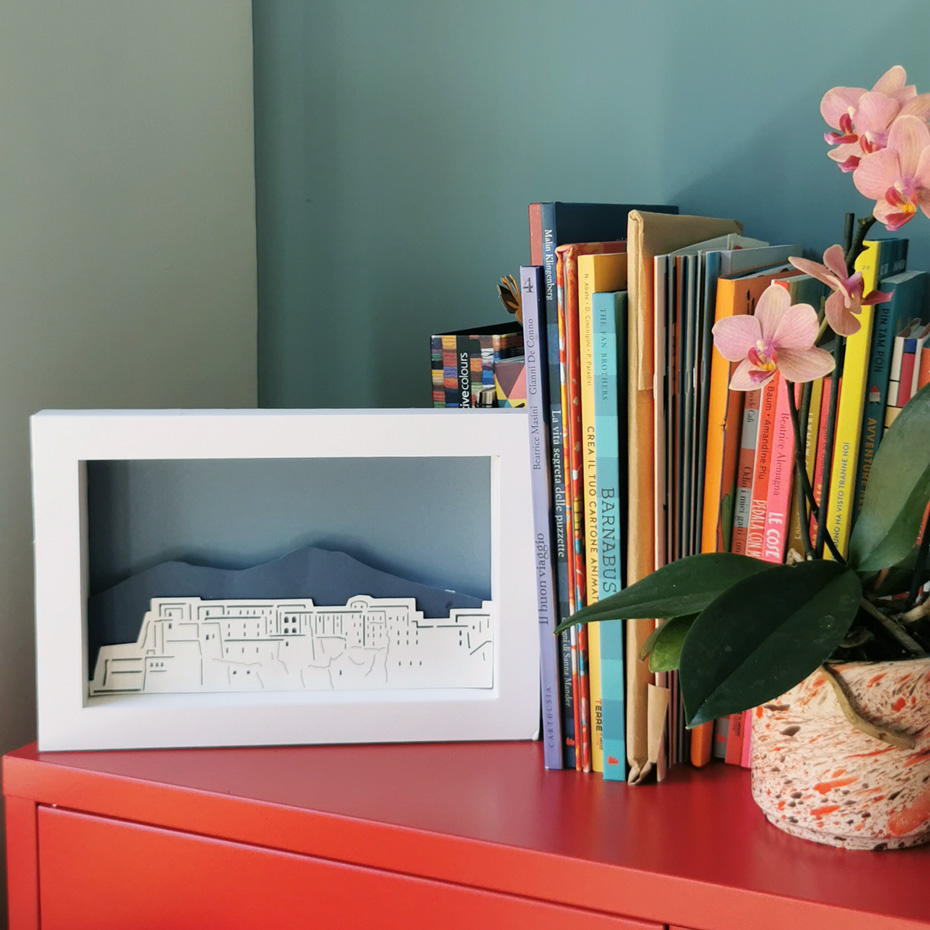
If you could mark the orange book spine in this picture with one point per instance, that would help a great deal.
(702, 743)
(923, 377)
(724, 416)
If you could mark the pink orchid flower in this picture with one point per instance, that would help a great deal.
(845, 304)
(862, 118)
(898, 177)
(778, 337)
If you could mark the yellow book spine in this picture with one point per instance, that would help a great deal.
(596, 272)
(850, 408)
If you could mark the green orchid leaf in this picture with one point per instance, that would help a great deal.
(898, 578)
(898, 491)
(764, 635)
(664, 644)
(679, 588)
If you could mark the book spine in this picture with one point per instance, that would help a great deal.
(821, 453)
(545, 248)
(589, 498)
(450, 377)
(577, 633)
(725, 409)
(467, 370)
(763, 463)
(535, 217)
(734, 754)
(907, 371)
(920, 353)
(873, 418)
(609, 317)
(850, 410)
(781, 475)
(811, 425)
(923, 379)
(894, 373)
(721, 737)
(745, 463)
(531, 289)
(437, 373)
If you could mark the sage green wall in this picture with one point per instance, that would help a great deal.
(127, 256)
(398, 145)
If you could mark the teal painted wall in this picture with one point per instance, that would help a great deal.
(399, 143)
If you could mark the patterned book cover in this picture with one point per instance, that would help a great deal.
(468, 358)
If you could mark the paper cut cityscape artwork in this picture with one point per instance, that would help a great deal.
(189, 644)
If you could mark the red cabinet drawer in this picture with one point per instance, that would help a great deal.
(110, 875)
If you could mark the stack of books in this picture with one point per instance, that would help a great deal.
(642, 454)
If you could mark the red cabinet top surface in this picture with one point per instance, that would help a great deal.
(694, 850)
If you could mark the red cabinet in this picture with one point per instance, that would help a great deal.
(451, 836)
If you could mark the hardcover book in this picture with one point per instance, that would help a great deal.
(609, 329)
(467, 359)
(534, 343)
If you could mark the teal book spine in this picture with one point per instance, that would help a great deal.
(609, 311)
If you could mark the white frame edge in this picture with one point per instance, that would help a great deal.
(62, 441)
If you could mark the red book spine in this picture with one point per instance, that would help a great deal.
(755, 535)
(735, 739)
(907, 373)
(781, 477)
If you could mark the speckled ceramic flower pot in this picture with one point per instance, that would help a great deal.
(817, 777)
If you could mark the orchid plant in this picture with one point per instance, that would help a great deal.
(741, 631)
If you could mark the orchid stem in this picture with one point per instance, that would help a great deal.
(853, 250)
(901, 741)
(907, 642)
(803, 490)
(848, 222)
(822, 535)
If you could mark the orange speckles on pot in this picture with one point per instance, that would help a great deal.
(759, 712)
(826, 786)
(917, 757)
(868, 755)
(815, 776)
(912, 817)
(826, 809)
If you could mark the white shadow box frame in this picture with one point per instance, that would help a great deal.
(63, 442)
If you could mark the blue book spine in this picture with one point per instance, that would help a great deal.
(609, 312)
(560, 537)
(537, 405)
